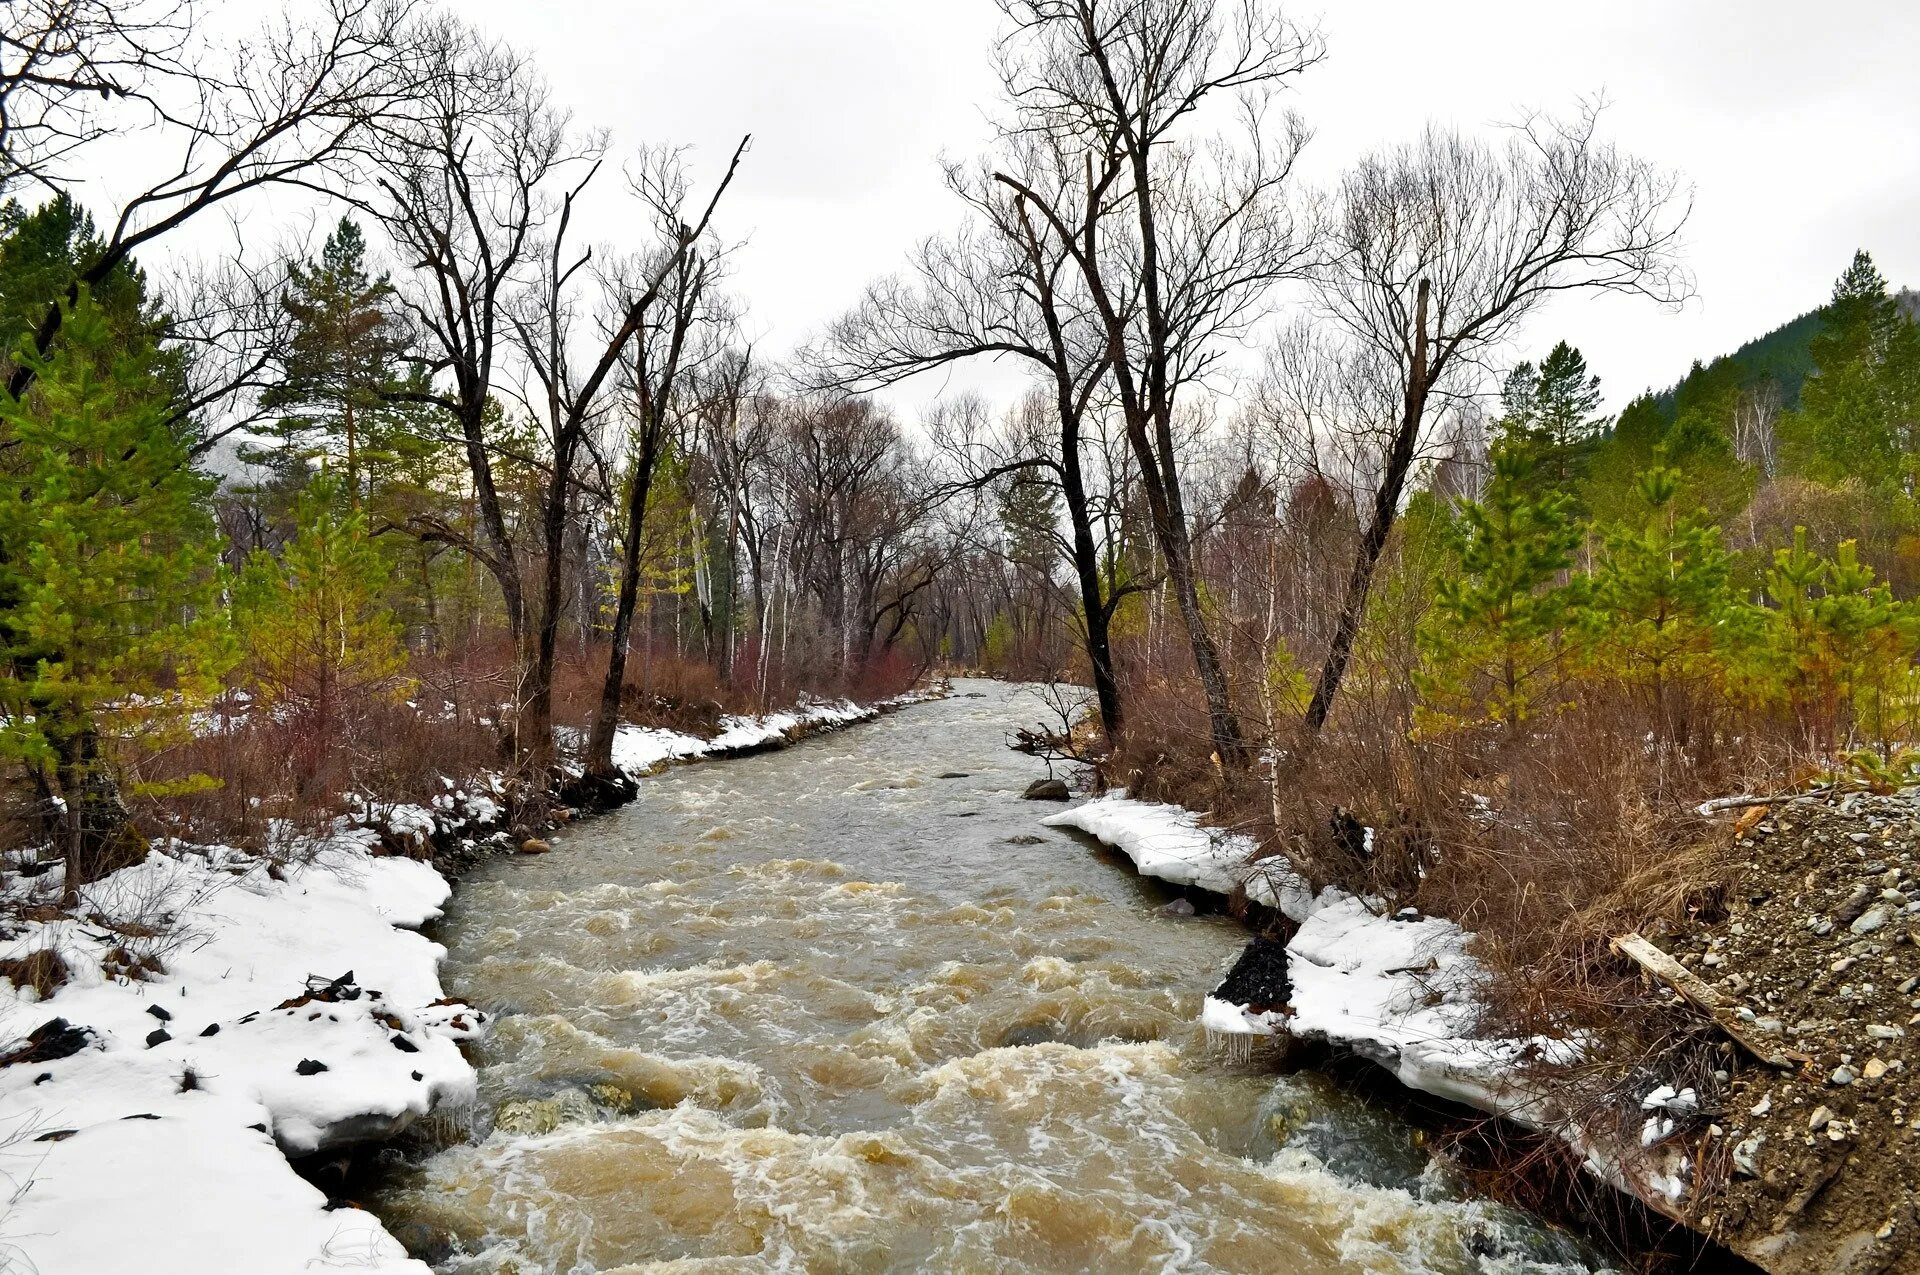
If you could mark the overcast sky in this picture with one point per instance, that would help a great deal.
(1794, 123)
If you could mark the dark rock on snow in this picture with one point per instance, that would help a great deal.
(160, 1013)
(308, 1067)
(52, 1040)
(1258, 980)
(158, 1036)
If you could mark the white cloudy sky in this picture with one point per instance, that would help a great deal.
(1794, 123)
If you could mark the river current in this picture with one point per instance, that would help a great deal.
(848, 1007)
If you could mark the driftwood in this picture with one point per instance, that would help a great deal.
(1701, 996)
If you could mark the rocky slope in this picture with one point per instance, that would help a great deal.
(1814, 1165)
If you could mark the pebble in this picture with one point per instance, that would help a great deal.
(1765, 1105)
(1880, 1031)
(1821, 1117)
(1746, 1155)
(1874, 1069)
(1843, 1076)
(1906, 988)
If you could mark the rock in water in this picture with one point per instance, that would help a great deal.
(533, 845)
(1048, 790)
(1179, 907)
(1258, 981)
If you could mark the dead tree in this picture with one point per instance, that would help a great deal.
(1178, 244)
(1440, 249)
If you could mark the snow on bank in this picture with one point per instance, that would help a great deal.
(1401, 990)
(1169, 843)
(641, 750)
(160, 1145)
(295, 1010)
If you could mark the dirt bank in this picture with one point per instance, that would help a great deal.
(1814, 1166)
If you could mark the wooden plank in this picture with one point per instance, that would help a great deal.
(1703, 997)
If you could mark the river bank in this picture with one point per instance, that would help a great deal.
(1801, 1162)
(209, 1014)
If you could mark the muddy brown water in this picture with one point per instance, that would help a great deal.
(826, 1010)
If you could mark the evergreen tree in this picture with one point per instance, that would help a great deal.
(42, 253)
(1859, 411)
(1660, 597)
(340, 362)
(320, 639)
(109, 624)
(1839, 645)
(1490, 645)
(1551, 411)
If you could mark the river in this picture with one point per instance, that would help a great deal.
(848, 1007)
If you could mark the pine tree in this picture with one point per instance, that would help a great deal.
(1839, 646)
(1659, 601)
(1858, 412)
(109, 623)
(320, 639)
(1490, 645)
(341, 358)
(1551, 410)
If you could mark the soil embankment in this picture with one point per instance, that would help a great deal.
(1815, 1166)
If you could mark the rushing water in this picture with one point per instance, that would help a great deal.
(848, 1007)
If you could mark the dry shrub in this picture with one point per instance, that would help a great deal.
(42, 970)
(274, 773)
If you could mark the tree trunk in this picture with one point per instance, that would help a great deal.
(91, 826)
(607, 716)
(1386, 506)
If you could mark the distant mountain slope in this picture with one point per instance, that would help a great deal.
(1785, 355)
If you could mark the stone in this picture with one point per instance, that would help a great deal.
(158, 1036)
(309, 1067)
(1870, 920)
(1880, 1031)
(159, 1013)
(1048, 790)
(534, 845)
(1746, 1155)
(1843, 1076)
(211, 1029)
(1821, 1117)
(1855, 904)
(1178, 907)
(1874, 1069)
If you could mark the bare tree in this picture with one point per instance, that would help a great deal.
(675, 300)
(1006, 285)
(464, 190)
(1442, 248)
(295, 106)
(1756, 419)
(66, 64)
(1197, 233)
